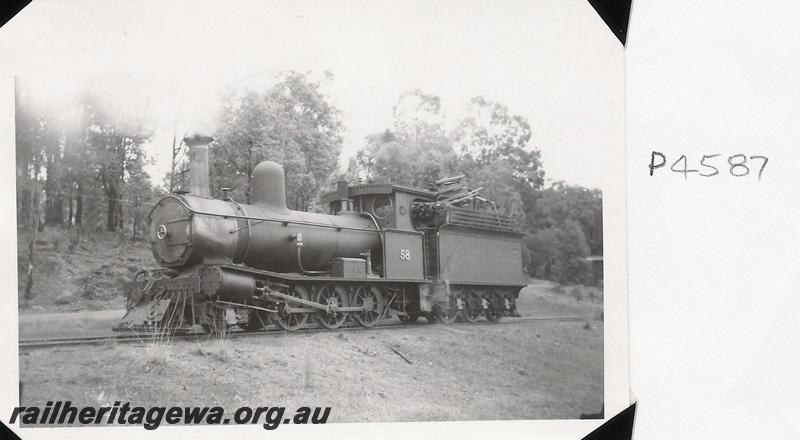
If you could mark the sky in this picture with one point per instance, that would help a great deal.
(551, 61)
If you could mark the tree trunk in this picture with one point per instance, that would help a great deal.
(23, 206)
(135, 218)
(31, 195)
(120, 217)
(69, 217)
(53, 213)
(79, 206)
(58, 210)
(111, 213)
(31, 247)
(172, 167)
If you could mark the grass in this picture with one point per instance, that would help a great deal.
(156, 356)
(220, 350)
(544, 298)
(67, 325)
(532, 370)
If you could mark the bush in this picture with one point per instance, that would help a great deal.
(559, 254)
(543, 248)
(65, 297)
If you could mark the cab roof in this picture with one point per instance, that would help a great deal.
(364, 189)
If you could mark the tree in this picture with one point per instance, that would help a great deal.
(39, 152)
(488, 132)
(419, 119)
(391, 158)
(53, 153)
(543, 247)
(31, 130)
(79, 147)
(415, 151)
(291, 123)
(499, 185)
(80, 158)
(559, 253)
(241, 141)
(562, 202)
(573, 251)
(116, 139)
(139, 192)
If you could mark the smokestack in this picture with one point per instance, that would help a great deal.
(198, 164)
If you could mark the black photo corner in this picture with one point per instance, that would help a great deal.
(619, 427)
(616, 14)
(6, 433)
(10, 8)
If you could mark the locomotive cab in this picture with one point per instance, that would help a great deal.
(389, 206)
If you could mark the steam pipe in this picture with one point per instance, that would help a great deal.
(298, 238)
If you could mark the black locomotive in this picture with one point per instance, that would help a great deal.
(383, 250)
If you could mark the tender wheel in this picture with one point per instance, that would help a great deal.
(446, 315)
(292, 321)
(496, 307)
(494, 312)
(333, 296)
(472, 310)
(512, 304)
(372, 298)
(492, 315)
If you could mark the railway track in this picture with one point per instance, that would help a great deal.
(32, 344)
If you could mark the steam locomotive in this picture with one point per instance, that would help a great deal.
(383, 250)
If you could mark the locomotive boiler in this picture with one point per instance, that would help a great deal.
(383, 250)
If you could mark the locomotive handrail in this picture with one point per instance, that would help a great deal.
(247, 226)
(246, 251)
(285, 222)
(380, 237)
(479, 228)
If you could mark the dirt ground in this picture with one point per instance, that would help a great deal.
(76, 270)
(527, 370)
